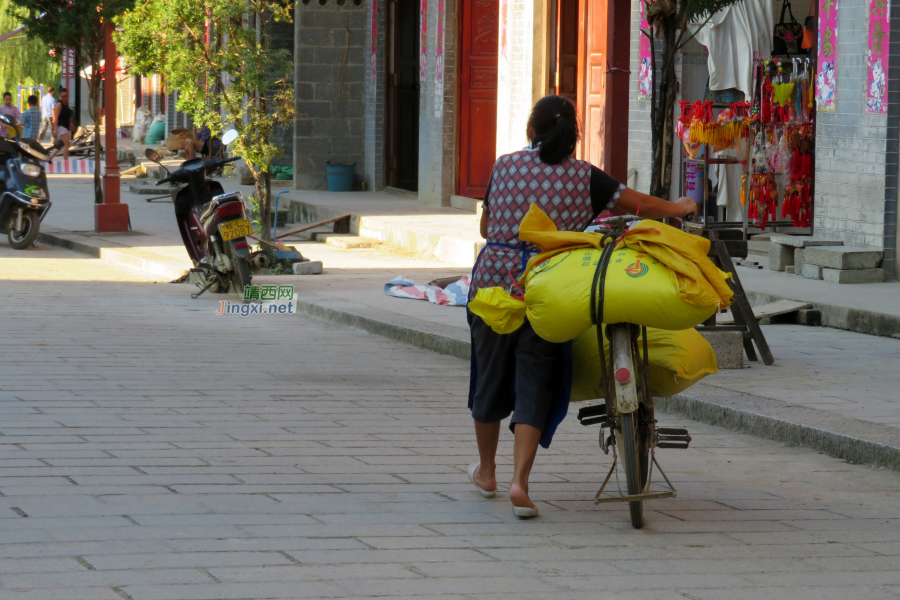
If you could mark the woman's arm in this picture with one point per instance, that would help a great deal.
(643, 205)
(482, 228)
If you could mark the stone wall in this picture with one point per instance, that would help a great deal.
(640, 153)
(329, 87)
(437, 118)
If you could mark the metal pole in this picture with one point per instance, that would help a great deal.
(111, 215)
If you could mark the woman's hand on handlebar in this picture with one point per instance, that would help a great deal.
(687, 205)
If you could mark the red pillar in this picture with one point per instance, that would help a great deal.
(111, 215)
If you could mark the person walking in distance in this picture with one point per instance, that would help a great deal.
(48, 103)
(8, 109)
(31, 119)
(520, 373)
(64, 123)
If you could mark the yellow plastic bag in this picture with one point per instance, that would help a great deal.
(503, 313)
(678, 360)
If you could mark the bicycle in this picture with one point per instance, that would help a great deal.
(628, 410)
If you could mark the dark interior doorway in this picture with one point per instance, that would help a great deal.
(565, 76)
(403, 95)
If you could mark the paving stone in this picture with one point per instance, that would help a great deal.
(812, 271)
(853, 275)
(844, 257)
(162, 472)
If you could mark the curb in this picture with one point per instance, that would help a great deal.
(880, 447)
(841, 317)
(164, 268)
(845, 438)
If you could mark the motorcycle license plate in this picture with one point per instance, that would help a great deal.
(235, 229)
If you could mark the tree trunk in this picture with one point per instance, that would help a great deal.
(263, 185)
(663, 125)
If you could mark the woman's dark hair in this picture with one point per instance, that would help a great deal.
(555, 127)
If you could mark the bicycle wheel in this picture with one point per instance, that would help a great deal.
(635, 476)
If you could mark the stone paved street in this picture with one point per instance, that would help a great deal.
(151, 450)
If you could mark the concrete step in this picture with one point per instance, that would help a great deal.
(145, 189)
(447, 235)
(346, 241)
(843, 257)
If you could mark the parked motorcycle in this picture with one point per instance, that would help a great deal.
(24, 197)
(213, 224)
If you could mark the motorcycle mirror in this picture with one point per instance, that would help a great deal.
(7, 120)
(59, 145)
(229, 136)
(152, 154)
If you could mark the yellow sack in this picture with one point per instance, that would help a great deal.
(678, 360)
(658, 277)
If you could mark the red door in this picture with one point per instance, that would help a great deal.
(592, 99)
(604, 93)
(477, 139)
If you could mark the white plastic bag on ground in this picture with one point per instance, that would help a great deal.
(141, 124)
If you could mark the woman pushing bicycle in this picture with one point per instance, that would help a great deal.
(520, 373)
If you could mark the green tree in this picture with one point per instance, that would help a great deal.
(78, 25)
(25, 61)
(668, 23)
(216, 53)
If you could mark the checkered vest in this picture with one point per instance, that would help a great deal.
(519, 180)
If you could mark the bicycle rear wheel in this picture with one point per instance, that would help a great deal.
(628, 446)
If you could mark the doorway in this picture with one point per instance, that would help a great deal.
(479, 24)
(565, 65)
(402, 148)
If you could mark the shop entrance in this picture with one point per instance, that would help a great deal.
(403, 95)
(477, 133)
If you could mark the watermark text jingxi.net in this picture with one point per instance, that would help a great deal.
(260, 293)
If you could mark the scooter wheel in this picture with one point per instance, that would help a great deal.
(25, 237)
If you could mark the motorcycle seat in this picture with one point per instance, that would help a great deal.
(209, 209)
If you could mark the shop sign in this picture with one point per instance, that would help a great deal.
(423, 40)
(67, 70)
(645, 78)
(826, 71)
(694, 180)
(879, 41)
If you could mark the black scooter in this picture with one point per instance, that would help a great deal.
(213, 224)
(24, 197)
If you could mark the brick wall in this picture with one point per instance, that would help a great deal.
(851, 145)
(437, 116)
(375, 90)
(281, 37)
(329, 87)
(515, 76)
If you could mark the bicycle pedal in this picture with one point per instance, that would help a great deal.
(673, 445)
(589, 415)
(672, 437)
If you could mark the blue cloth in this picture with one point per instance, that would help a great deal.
(32, 120)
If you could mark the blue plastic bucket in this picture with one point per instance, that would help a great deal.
(340, 177)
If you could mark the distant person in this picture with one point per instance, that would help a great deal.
(63, 122)
(31, 119)
(8, 109)
(203, 143)
(48, 103)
